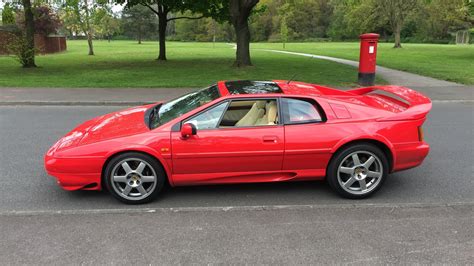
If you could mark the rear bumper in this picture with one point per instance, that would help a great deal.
(75, 173)
(409, 155)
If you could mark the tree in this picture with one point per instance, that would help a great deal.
(164, 10)
(69, 22)
(340, 28)
(45, 20)
(8, 15)
(396, 12)
(307, 18)
(284, 12)
(105, 23)
(139, 22)
(82, 12)
(441, 18)
(239, 13)
(29, 35)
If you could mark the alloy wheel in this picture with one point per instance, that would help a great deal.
(360, 172)
(133, 179)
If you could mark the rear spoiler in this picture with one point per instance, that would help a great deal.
(417, 105)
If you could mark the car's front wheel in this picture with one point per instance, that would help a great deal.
(358, 171)
(134, 178)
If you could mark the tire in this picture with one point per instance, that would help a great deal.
(348, 175)
(134, 178)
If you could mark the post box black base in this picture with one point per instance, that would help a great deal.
(366, 79)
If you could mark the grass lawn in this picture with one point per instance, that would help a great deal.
(448, 62)
(127, 64)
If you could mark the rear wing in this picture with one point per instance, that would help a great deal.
(412, 104)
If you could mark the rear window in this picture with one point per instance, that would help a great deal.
(252, 87)
(297, 111)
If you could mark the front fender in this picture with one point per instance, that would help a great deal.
(144, 149)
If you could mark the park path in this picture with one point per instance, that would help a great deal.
(435, 88)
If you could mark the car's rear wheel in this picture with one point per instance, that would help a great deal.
(134, 178)
(358, 171)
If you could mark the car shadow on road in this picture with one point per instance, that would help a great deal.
(252, 194)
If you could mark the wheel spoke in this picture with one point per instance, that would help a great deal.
(140, 168)
(369, 162)
(126, 168)
(373, 174)
(356, 160)
(346, 170)
(363, 185)
(141, 189)
(148, 179)
(349, 182)
(127, 190)
(120, 178)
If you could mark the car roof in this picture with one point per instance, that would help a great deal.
(257, 88)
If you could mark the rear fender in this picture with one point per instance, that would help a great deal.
(365, 137)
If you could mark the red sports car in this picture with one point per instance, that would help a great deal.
(247, 131)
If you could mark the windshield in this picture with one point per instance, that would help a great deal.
(168, 111)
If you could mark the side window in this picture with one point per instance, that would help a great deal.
(297, 111)
(209, 118)
(250, 113)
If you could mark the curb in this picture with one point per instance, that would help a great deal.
(381, 206)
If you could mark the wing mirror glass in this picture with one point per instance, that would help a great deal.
(188, 130)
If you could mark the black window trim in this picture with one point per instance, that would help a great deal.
(311, 101)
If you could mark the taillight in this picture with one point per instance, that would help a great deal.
(420, 133)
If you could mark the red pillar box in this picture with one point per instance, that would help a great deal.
(368, 58)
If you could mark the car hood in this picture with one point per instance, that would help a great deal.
(115, 125)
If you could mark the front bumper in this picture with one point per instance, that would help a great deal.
(409, 155)
(75, 173)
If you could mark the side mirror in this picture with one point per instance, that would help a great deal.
(187, 130)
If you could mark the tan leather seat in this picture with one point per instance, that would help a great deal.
(271, 113)
(256, 112)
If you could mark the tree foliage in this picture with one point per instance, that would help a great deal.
(106, 23)
(45, 19)
(81, 16)
(139, 22)
(8, 14)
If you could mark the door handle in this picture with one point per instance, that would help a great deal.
(270, 139)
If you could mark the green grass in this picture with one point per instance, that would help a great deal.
(447, 62)
(127, 64)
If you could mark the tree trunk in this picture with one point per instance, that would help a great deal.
(243, 44)
(89, 42)
(29, 35)
(162, 24)
(139, 35)
(396, 32)
(239, 13)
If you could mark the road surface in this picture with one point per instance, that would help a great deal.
(422, 215)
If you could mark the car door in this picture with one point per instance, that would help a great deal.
(230, 145)
(308, 138)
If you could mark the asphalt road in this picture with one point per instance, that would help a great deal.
(27, 132)
(422, 215)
